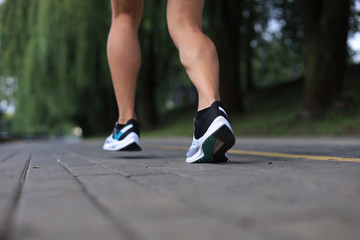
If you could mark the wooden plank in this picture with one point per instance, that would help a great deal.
(54, 206)
(14, 168)
(146, 212)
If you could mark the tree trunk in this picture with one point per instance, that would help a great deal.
(249, 52)
(325, 34)
(225, 20)
(147, 86)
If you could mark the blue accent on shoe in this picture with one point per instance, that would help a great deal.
(118, 135)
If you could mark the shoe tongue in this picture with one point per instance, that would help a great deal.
(119, 126)
(131, 121)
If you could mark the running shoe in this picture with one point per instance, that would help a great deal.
(124, 137)
(213, 136)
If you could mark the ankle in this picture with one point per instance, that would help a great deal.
(124, 120)
(206, 102)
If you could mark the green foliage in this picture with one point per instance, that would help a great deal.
(57, 51)
(275, 56)
(276, 63)
(274, 111)
(287, 13)
(354, 19)
(161, 69)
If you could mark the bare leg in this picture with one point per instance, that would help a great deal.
(197, 52)
(123, 52)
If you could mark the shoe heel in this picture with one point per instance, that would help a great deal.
(224, 134)
(216, 145)
(131, 147)
(225, 139)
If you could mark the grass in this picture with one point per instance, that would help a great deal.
(275, 111)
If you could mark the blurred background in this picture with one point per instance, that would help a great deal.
(288, 67)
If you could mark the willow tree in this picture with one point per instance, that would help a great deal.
(57, 52)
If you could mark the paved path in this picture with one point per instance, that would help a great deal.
(54, 190)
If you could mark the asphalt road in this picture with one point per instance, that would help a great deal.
(272, 188)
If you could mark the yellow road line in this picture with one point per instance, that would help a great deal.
(301, 156)
(169, 147)
(267, 154)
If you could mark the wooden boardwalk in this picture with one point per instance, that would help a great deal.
(53, 190)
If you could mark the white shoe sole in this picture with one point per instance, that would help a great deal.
(214, 143)
(130, 143)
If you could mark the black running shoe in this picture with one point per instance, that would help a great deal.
(124, 137)
(213, 136)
